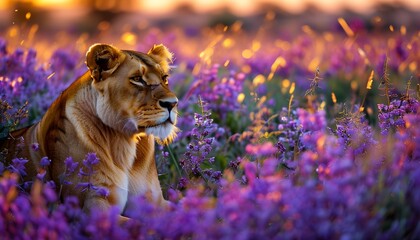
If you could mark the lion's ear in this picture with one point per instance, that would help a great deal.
(102, 60)
(161, 55)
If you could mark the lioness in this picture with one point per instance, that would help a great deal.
(116, 109)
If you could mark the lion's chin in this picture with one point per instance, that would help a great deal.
(164, 133)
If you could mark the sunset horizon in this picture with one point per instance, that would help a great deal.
(237, 7)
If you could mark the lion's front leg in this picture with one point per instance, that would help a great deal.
(143, 176)
(106, 192)
(98, 203)
(93, 202)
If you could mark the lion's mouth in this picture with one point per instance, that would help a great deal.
(168, 121)
(164, 132)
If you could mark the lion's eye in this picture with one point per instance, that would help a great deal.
(138, 81)
(165, 79)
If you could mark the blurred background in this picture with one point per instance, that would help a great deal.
(91, 15)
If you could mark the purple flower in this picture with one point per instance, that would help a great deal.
(70, 165)
(91, 159)
(103, 192)
(312, 121)
(234, 164)
(250, 169)
(200, 147)
(18, 166)
(269, 167)
(45, 162)
(41, 174)
(391, 117)
(49, 193)
(88, 165)
(354, 132)
(182, 183)
(35, 147)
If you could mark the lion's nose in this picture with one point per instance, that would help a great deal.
(168, 103)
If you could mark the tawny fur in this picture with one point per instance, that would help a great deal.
(116, 109)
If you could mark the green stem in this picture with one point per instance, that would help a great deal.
(174, 161)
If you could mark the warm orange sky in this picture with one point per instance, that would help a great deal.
(248, 6)
(241, 7)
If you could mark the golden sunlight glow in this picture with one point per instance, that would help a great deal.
(256, 45)
(13, 31)
(412, 66)
(314, 64)
(279, 62)
(258, 80)
(333, 98)
(403, 30)
(320, 142)
(247, 54)
(391, 28)
(370, 80)
(346, 27)
(363, 55)
(241, 98)
(292, 88)
(322, 105)
(285, 83)
(354, 85)
(50, 76)
(246, 69)
(226, 63)
(228, 43)
(239, 7)
(54, 3)
(129, 38)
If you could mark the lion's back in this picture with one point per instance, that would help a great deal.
(15, 145)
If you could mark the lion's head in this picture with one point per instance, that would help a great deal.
(133, 92)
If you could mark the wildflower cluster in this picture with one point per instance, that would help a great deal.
(290, 132)
(220, 92)
(201, 145)
(354, 132)
(10, 118)
(87, 171)
(22, 76)
(391, 117)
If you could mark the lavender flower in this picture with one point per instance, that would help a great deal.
(288, 140)
(69, 170)
(354, 132)
(87, 169)
(70, 165)
(200, 147)
(311, 121)
(391, 117)
(45, 162)
(35, 147)
(101, 191)
(18, 166)
(219, 92)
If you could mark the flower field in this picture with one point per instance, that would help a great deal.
(311, 135)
